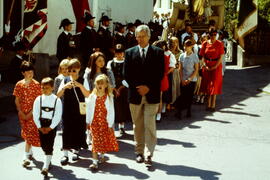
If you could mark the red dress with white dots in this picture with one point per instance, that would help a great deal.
(103, 138)
(27, 95)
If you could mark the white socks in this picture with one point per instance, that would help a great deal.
(47, 161)
(121, 126)
(76, 152)
(163, 110)
(65, 153)
(95, 161)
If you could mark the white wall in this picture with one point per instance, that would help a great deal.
(57, 10)
(124, 10)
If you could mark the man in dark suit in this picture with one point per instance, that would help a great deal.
(130, 36)
(105, 38)
(88, 38)
(143, 71)
(65, 44)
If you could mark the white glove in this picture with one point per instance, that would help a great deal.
(7, 27)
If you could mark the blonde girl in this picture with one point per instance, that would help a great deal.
(100, 119)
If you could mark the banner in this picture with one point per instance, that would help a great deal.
(79, 8)
(34, 21)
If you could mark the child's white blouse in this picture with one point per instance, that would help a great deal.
(90, 109)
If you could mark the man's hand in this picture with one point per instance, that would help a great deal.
(142, 90)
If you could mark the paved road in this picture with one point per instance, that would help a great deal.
(230, 144)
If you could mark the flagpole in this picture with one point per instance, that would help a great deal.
(10, 11)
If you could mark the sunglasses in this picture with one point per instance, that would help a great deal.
(72, 70)
(213, 34)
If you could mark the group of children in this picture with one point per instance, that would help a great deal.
(41, 108)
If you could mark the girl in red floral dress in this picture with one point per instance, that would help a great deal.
(100, 118)
(25, 93)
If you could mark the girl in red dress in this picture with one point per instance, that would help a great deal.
(212, 52)
(25, 93)
(100, 118)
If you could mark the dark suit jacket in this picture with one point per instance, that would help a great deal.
(63, 48)
(149, 73)
(88, 41)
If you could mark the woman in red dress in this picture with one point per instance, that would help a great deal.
(100, 118)
(25, 93)
(212, 52)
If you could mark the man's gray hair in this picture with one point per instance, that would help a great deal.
(144, 28)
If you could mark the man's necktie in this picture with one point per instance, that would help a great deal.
(143, 55)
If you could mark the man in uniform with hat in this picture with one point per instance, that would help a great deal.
(130, 36)
(65, 44)
(14, 67)
(105, 39)
(119, 37)
(88, 39)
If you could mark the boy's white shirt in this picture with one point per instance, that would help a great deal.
(90, 109)
(48, 101)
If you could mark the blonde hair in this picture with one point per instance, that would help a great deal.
(63, 63)
(74, 64)
(104, 78)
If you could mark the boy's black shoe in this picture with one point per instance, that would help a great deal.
(45, 172)
(64, 160)
(122, 131)
(140, 158)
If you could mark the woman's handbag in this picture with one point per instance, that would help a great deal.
(82, 105)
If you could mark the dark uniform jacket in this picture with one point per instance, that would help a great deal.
(130, 40)
(120, 39)
(88, 41)
(63, 48)
(105, 42)
(148, 72)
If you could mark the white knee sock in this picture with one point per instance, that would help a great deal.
(47, 161)
(163, 110)
(95, 161)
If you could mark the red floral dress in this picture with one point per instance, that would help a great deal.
(27, 95)
(212, 80)
(103, 138)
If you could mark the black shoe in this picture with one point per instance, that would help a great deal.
(208, 109)
(139, 158)
(64, 160)
(45, 172)
(212, 109)
(122, 131)
(148, 162)
(75, 157)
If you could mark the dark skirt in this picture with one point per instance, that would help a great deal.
(184, 101)
(121, 106)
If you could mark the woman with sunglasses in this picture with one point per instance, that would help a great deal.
(212, 52)
(73, 91)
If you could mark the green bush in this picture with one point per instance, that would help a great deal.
(264, 12)
(231, 16)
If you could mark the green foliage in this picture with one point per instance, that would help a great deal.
(231, 16)
(264, 11)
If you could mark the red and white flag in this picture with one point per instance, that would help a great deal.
(79, 8)
(34, 22)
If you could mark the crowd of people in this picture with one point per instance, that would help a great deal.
(132, 75)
